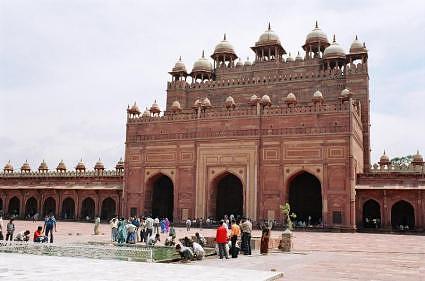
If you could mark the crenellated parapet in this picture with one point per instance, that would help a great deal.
(66, 174)
(273, 77)
(247, 111)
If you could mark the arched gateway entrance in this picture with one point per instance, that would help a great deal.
(68, 208)
(162, 197)
(49, 206)
(108, 209)
(371, 214)
(305, 198)
(229, 196)
(402, 215)
(30, 207)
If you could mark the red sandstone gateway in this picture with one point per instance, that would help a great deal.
(241, 138)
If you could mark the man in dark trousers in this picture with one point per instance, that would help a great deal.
(221, 240)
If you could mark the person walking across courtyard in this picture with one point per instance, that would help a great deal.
(188, 224)
(265, 237)
(49, 225)
(221, 240)
(246, 228)
(114, 229)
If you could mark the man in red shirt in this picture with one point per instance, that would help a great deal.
(39, 236)
(221, 239)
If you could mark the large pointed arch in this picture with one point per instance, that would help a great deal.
(31, 207)
(14, 206)
(371, 214)
(159, 196)
(49, 206)
(88, 208)
(305, 198)
(403, 214)
(68, 208)
(226, 196)
(109, 209)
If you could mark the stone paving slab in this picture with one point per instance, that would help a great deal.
(316, 255)
(46, 268)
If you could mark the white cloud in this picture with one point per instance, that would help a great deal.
(68, 69)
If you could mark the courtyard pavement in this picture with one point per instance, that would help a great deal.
(315, 256)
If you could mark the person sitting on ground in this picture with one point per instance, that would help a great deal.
(200, 239)
(198, 251)
(23, 236)
(185, 252)
(170, 241)
(187, 242)
(152, 240)
(39, 235)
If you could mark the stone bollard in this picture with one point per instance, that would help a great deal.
(285, 244)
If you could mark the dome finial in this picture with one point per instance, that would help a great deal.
(224, 37)
(317, 25)
(180, 58)
(356, 37)
(269, 27)
(334, 40)
(203, 54)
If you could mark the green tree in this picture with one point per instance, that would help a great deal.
(403, 160)
(285, 209)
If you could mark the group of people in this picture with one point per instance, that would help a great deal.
(236, 237)
(145, 229)
(41, 235)
(190, 250)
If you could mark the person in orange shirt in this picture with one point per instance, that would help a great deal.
(235, 233)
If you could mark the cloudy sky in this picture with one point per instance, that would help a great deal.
(68, 69)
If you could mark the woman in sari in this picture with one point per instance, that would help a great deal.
(122, 231)
(167, 225)
(162, 224)
(265, 237)
(131, 233)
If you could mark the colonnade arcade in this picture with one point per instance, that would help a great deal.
(400, 216)
(72, 205)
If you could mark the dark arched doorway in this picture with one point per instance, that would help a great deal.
(163, 198)
(108, 209)
(49, 206)
(68, 208)
(14, 206)
(402, 215)
(87, 209)
(305, 199)
(30, 207)
(371, 214)
(229, 199)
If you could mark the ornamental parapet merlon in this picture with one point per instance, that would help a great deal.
(246, 111)
(287, 76)
(397, 169)
(66, 174)
(254, 133)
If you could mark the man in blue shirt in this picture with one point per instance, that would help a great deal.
(49, 224)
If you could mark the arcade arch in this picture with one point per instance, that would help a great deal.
(108, 208)
(14, 206)
(402, 214)
(305, 198)
(31, 207)
(68, 208)
(371, 214)
(88, 208)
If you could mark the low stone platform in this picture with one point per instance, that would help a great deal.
(29, 268)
